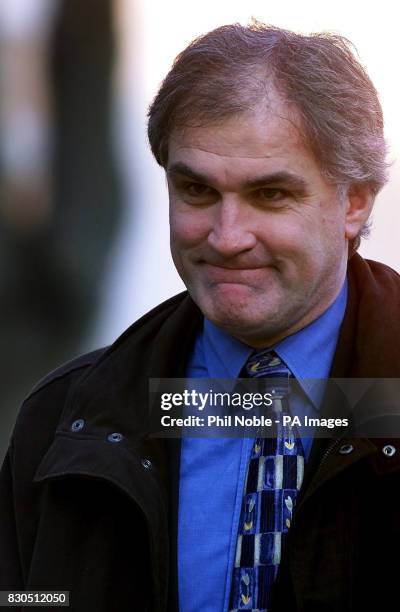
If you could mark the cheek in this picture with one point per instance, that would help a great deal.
(287, 238)
(332, 235)
(188, 227)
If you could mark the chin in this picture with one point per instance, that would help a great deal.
(236, 323)
(232, 300)
(239, 309)
(249, 327)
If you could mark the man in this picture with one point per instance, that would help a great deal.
(273, 148)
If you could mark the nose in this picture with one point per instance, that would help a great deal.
(231, 232)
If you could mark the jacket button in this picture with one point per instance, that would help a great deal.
(115, 437)
(146, 464)
(346, 449)
(388, 450)
(78, 425)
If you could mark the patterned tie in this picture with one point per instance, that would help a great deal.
(274, 477)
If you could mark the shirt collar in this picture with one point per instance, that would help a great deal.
(308, 353)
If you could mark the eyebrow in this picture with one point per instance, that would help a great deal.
(282, 178)
(181, 168)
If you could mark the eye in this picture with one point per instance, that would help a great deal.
(198, 193)
(196, 189)
(271, 194)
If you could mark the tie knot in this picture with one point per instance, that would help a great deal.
(266, 364)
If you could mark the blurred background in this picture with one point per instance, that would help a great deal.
(83, 206)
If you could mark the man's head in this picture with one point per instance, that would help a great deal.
(273, 147)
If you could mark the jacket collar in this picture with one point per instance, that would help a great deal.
(368, 345)
(112, 396)
(368, 348)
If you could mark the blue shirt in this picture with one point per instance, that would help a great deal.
(213, 470)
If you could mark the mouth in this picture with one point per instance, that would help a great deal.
(233, 274)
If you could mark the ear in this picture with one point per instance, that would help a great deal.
(359, 203)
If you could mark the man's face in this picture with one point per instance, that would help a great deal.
(257, 234)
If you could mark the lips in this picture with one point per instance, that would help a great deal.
(222, 274)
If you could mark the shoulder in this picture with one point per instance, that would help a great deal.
(70, 369)
(41, 410)
(369, 342)
(375, 289)
(374, 277)
(43, 407)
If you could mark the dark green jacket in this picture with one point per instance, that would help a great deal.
(95, 515)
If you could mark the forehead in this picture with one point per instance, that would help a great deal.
(265, 140)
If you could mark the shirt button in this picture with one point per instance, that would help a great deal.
(115, 437)
(346, 449)
(78, 425)
(388, 450)
(146, 464)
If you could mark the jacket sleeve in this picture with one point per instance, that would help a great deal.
(10, 566)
